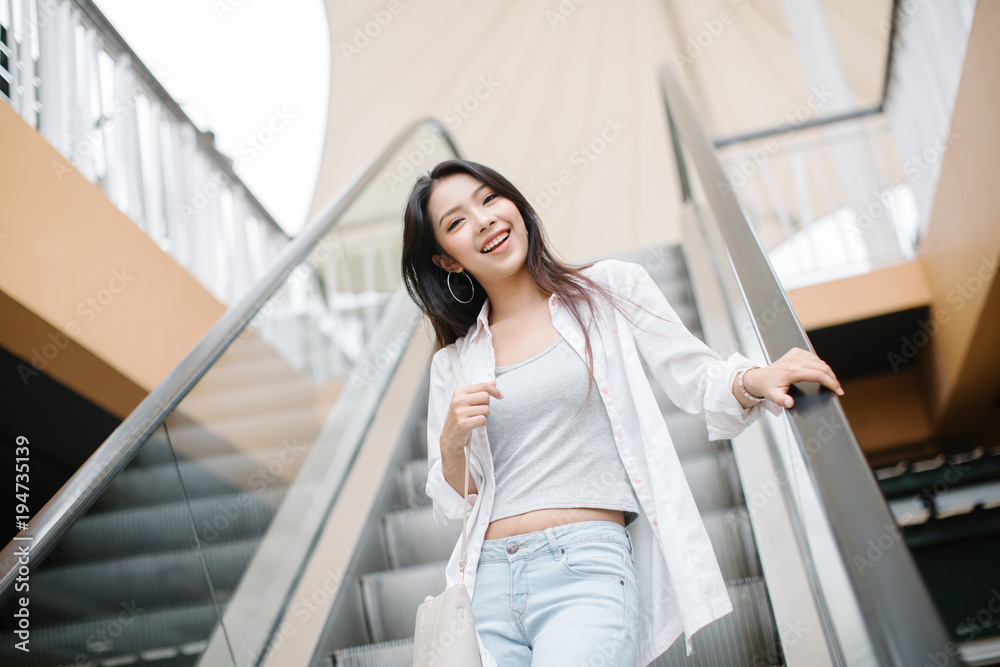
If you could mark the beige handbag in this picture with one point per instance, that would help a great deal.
(445, 632)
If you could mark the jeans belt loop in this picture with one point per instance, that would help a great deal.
(552, 543)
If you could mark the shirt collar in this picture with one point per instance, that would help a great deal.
(483, 321)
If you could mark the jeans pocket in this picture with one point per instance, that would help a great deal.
(595, 560)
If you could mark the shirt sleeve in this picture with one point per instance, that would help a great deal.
(695, 378)
(447, 502)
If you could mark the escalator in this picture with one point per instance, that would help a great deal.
(178, 541)
(265, 505)
(416, 549)
(128, 580)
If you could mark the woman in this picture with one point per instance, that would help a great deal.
(557, 475)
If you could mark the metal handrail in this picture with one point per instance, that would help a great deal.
(897, 609)
(95, 475)
(797, 127)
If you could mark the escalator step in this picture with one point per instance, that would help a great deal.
(224, 400)
(709, 476)
(421, 435)
(203, 478)
(258, 430)
(688, 433)
(745, 637)
(413, 538)
(733, 543)
(398, 653)
(121, 638)
(412, 480)
(110, 535)
(63, 594)
(391, 598)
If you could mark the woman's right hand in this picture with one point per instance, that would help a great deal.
(469, 409)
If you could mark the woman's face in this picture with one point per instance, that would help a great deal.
(481, 232)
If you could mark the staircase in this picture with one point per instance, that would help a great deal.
(416, 549)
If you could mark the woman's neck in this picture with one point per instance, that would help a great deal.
(517, 294)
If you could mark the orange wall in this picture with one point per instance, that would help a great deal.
(884, 290)
(86, 294)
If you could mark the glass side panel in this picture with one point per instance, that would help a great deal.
(127, 584)
(264, 436)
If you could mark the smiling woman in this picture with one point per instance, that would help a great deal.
(562, 480)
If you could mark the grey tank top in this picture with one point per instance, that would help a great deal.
(547, 452)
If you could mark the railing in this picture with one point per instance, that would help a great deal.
(885, 589)
(822, 214)
(827, 193)
(273, 427)
(68, 73)
(818, 219)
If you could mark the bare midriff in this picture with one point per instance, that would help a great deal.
(530, 522)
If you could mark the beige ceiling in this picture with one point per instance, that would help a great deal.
(560, 74)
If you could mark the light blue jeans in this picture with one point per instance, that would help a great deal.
(563, 596)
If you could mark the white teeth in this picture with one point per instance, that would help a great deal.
(495, 242)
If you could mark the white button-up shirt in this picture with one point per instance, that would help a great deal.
(681, 588)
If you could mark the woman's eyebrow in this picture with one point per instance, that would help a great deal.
(455, 208)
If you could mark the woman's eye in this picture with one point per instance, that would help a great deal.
(453, 223)
(489, 197)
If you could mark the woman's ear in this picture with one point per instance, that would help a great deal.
(447, 263)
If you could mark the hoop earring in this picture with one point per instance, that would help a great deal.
(471, 285)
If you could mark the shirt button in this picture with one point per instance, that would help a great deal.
(604, 391)
(638, 481)
(561, 327)
(620, 436)
(655, 523)
(511, 548)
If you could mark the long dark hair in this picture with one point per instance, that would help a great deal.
(426, 282)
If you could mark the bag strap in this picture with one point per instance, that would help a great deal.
(457, 367)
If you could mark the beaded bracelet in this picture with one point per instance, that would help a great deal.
(744, 389)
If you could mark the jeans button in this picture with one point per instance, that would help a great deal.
(511, 548)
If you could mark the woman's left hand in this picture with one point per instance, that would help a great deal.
(797, 365)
